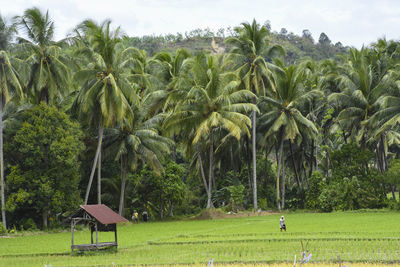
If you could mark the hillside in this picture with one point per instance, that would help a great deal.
(296, 47)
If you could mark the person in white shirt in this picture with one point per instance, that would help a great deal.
(282, 223)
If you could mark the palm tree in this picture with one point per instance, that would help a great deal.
(365, 76)
(107, 94)
(7, 33)
(284, 119)
(49, 74)
(172, 70)
(248, 57)
(137, 142)
(212, 103)
(9, 86)
(361, 84)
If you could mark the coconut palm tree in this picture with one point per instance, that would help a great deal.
(138, 142)
(107, 94)
(7, 33)
(9, 86)
(362, 80)
(171, 73)
(284, 118)
(248, 57)
(212, 103)
(49, 74)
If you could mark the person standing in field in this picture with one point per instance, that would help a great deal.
(145, 216)
(135, 217)
(282, 223)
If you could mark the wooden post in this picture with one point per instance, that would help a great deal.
(115, 231)
(97, 240)
(72, 234)
(91, 235)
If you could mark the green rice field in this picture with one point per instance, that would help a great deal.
(351, 238)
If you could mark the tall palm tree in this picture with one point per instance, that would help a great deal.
(49, 74)
(139, 141)
(9, 86)
(248, 57)
(212, 103)
(362, 81)
(285, 119)
(107, 94)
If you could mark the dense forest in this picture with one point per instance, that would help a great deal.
(243, 118)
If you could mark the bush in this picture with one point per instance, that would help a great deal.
(237, 196)
(316, 184)
(3, 230)
(354, 184)
(393, 204)
(29, 225)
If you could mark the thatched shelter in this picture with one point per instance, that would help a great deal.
(100, 218)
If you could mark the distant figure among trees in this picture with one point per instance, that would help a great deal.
(135, 217)
(145, 216)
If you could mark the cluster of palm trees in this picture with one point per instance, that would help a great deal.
(144, 107)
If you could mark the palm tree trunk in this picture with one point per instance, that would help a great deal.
(283, 184)
(99, 178)
(294, 164)
(203, 177)
(161, 207)
(123, 181)
(253, 137)
(211, 170)
(384, 158)
(248, 165)
(278, 198)
(171, 206)
(96, 157)
(393, 187)
(44, 218)
(3, 196)
(312, 169)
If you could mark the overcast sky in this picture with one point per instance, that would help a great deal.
(352, 22)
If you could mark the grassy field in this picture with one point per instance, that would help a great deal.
(352, 237)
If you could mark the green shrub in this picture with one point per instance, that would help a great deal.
(3, 230)
(316, 184)
(237, 196)
(30, 225)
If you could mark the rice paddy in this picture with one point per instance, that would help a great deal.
(333, 239)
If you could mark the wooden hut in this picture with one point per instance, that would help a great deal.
(100, 218)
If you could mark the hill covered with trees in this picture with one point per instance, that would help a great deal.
(297, 47)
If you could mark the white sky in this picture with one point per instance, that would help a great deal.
(352, 22)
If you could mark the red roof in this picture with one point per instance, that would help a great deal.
(103, 214)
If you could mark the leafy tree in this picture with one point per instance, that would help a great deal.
(392, 176)
(316, 184)
(167, 189)
(44, 174)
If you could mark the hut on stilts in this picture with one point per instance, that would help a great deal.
(100, 218)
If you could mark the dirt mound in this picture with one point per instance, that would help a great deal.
(211, 214)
